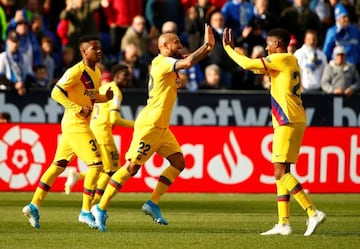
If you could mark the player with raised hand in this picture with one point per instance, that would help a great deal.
(289, 122)
(151, 129)
(77, 90)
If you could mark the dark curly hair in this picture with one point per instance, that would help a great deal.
(281, 34)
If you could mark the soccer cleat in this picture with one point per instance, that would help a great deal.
(313, 222)
(282, 229)
(72, 178)
(31, 213)
(87, 218)
(100, 217)
(149, 208)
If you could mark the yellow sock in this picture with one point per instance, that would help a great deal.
(296, 190)
(90, 185)
(283, 203)
(100, 187)
(45, 183)
(165, 180)
(113, 187)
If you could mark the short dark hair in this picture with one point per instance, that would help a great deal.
(12, 35)
(38, 67)
(88, 38)
(280, 33)
(118, 68)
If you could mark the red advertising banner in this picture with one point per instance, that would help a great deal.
(218, 159)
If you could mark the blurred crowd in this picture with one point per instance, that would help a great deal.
(39, 40)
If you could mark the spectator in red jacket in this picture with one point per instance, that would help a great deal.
(119, 15)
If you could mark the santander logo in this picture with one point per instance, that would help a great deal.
(230, 168)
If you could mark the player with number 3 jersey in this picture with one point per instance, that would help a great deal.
(77, 91)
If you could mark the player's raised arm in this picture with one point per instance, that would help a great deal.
(228, 38)
(255, 65)
(200, 53)
(209, 38)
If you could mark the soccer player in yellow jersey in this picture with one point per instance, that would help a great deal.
(104, 117)
(151, 129)
(289, 121)
(77, 91)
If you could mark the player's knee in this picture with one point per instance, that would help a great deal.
(278, 176)
(61, 163)
(280, 169)
(179, 167)
(110, 173)
(177, 161)
(133, 169)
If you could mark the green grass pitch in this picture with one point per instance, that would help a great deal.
(198, 221)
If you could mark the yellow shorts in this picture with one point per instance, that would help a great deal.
(286, 142)
(110, 157)
(83, 145)
(147, 140)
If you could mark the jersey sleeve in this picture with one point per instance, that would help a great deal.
(116, 119)
(60, 95)
(275, 62)
(255, 65)
(67, 80)
(115, 106)
(168, 65)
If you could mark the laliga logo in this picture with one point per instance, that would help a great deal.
(21, 157)
(229, 169)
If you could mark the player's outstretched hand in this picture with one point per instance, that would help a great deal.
(209, 36)
(109, 94)
(228, 38)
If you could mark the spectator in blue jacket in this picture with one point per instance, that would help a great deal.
(29, 46)
(237, 15)
(345, 34)
(13, 69)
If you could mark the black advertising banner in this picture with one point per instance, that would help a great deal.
(204, 108)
